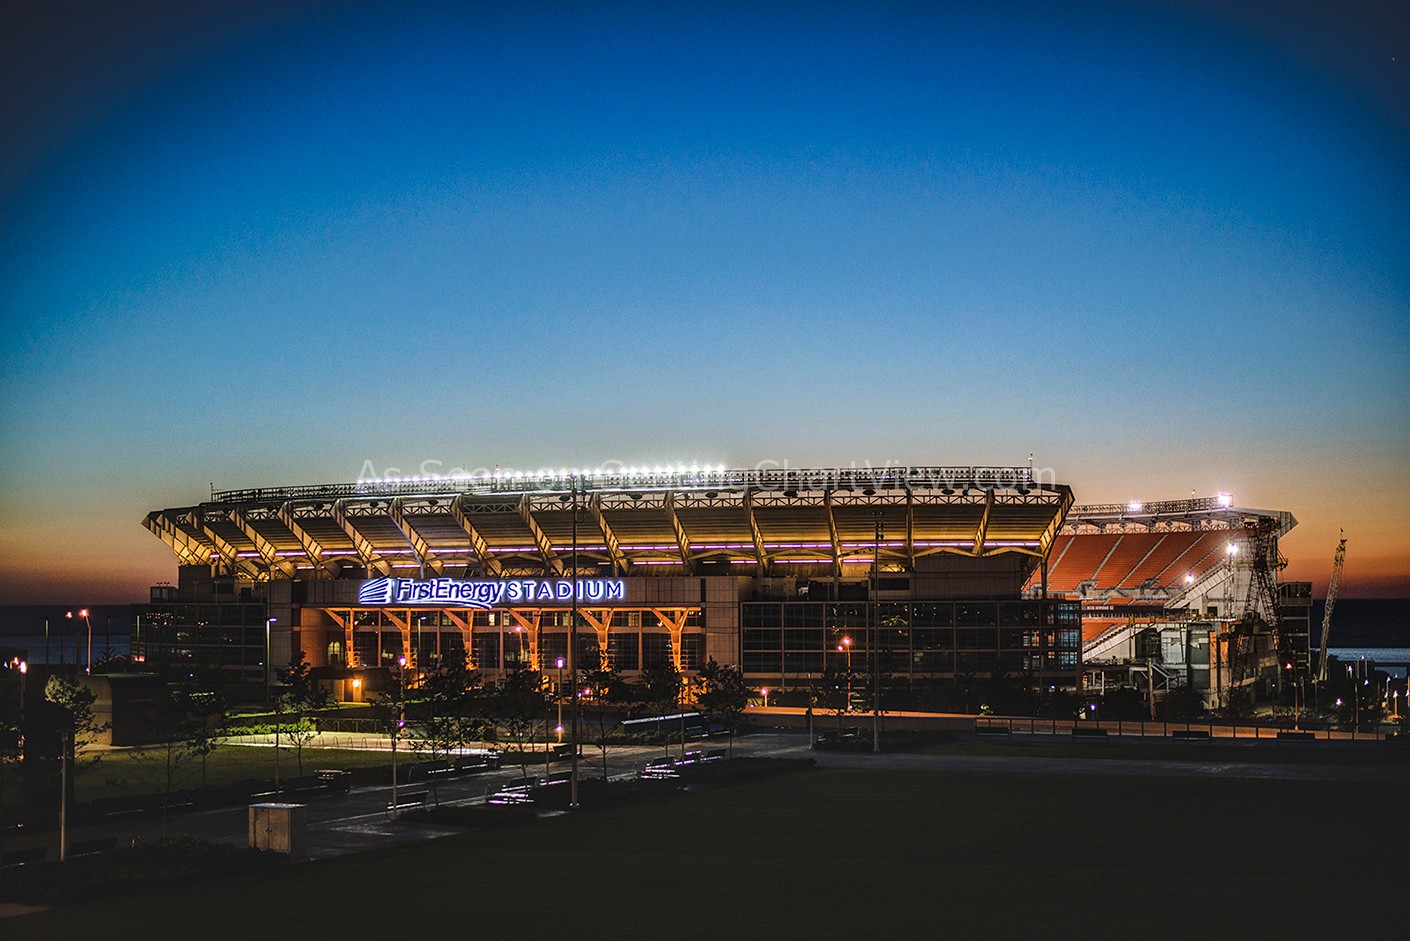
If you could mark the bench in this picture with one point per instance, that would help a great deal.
(93, 847)
(24, 857)
(408, 800)
(1296, 737)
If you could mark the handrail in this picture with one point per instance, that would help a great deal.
(887, 477)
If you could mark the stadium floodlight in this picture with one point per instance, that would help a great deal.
(1233, 549)
(1134, 506)
(1226, 499)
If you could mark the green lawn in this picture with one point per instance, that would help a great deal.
(1304, 753)
(127, 773)
(845, 854)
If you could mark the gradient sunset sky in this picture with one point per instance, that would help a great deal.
(1164, 247)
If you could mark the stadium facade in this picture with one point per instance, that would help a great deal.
(928, 572)
(787, 573)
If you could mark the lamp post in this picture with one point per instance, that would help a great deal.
(764, 691)
(873, 654)
(397, 722)
(846, 648)
(268, 680)
(268, 673)
(559, 696)
(572, 657)
(88, 660)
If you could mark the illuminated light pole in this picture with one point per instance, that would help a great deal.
(874, 654)
(559, 696)
(397, 724)
(572, 655)
(88, 668)
(846, 648)
(764, 691)
(268, 672)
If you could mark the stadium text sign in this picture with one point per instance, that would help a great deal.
(486, 592)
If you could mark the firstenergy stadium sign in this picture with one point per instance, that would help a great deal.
(486, 593)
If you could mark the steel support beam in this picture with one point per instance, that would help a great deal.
(418, 544)
(189, 551)
(982, 532)
(674, 621)
(832, 531)
(910, 529)
(682, 540)
(365, 550)
(268, 553)
(614, 548)
(311, 546)
(754, 532)
(551, 560)
(228, 553)
(488, 562)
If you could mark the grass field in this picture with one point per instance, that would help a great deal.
(1380, 754)
(846, 854)
(125, 773)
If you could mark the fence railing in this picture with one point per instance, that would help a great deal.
(1154, 729)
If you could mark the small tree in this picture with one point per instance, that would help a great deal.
(11, 735)
(447, 713)
(172, 730)
(723, 696)
(76, 724)
(834, 687)
(301, 697)
(517, 707)
(661, 690)
(605, 689)
(209, 727)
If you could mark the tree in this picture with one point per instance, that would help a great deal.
(723, 696)
(78, 727)
(517, 706)
(178, 727)
(834, 688)
(209, 727)
(11, 733)
(660, 688)
(446, 713)
(605, 688)
(301, 697)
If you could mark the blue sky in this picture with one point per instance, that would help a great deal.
(1161, 246)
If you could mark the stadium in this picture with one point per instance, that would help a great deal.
(923, 573)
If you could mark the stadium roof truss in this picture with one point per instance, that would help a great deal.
(739, 522)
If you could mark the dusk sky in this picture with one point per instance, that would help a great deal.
(1161, 246)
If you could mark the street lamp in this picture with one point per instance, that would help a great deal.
(846, 648)
(764, 691)
(83, 613)
(558, 695)
(397, 724)
(268, 673)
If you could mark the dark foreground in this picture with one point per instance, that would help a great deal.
(846, 853)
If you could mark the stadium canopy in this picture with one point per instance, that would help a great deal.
(686, 520)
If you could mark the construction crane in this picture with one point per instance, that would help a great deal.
(1259, 617)
(1331, 602)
